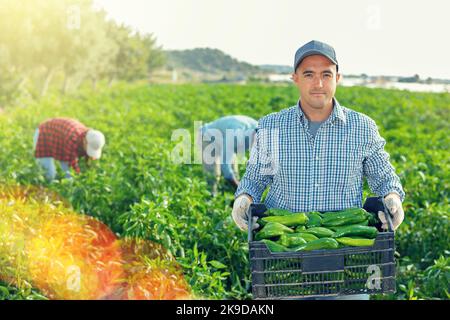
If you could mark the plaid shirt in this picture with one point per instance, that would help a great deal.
(321, 174)
(62, 139)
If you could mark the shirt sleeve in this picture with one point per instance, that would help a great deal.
(377, 168)
(72, 150)
(75, 166)
(227, 171)
(260, 167)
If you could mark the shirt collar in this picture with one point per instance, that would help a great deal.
(337, 113)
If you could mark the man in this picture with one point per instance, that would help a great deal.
(315, 154)
(222, 142)
(66, 140)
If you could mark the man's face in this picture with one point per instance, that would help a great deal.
(316, 79)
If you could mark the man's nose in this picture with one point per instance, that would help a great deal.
(318, 82)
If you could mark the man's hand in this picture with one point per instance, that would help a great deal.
(89, 162)
(240, 210)
(394, 205)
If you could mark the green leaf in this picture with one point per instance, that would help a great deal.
(217, 264)
(195, 251)
(4, 292)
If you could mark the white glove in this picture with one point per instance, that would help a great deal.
(240, 210)
(394, 205)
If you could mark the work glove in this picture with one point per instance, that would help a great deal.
(394, 206)
(240, 212)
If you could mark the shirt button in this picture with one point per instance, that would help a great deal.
(317, 158)
(317, 185)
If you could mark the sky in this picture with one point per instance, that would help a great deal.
(376, 37)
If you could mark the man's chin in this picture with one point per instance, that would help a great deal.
(319, 103)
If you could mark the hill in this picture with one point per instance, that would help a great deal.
(274, 68)
(209, 64)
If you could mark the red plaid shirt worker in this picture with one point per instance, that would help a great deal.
(64, 140)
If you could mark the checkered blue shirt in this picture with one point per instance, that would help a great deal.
(324, 173)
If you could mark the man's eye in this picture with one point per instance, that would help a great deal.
(308, 75)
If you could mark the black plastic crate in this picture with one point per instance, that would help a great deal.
(321, 273)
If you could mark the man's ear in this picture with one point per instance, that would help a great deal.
(294, 77)
(338, 77)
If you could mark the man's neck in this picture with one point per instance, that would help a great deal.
(317, 115)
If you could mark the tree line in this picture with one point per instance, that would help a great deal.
(65, 43)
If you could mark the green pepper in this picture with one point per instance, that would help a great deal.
(291, 240)
(274, 247)
(294, 219)
(345, 213)
(271, 230)
(320, 232)
(374, 220)
(356, 241)
(341, 215)
(307, 236)
(364, 223)
(278, 212)
(314, 220)
(355, 218)
(324, 243)
(361, 231)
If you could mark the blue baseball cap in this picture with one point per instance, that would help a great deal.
(315, 47)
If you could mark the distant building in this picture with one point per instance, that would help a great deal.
(174, 76)
(279, 77)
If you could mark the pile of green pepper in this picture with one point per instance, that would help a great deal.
(288, 231)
